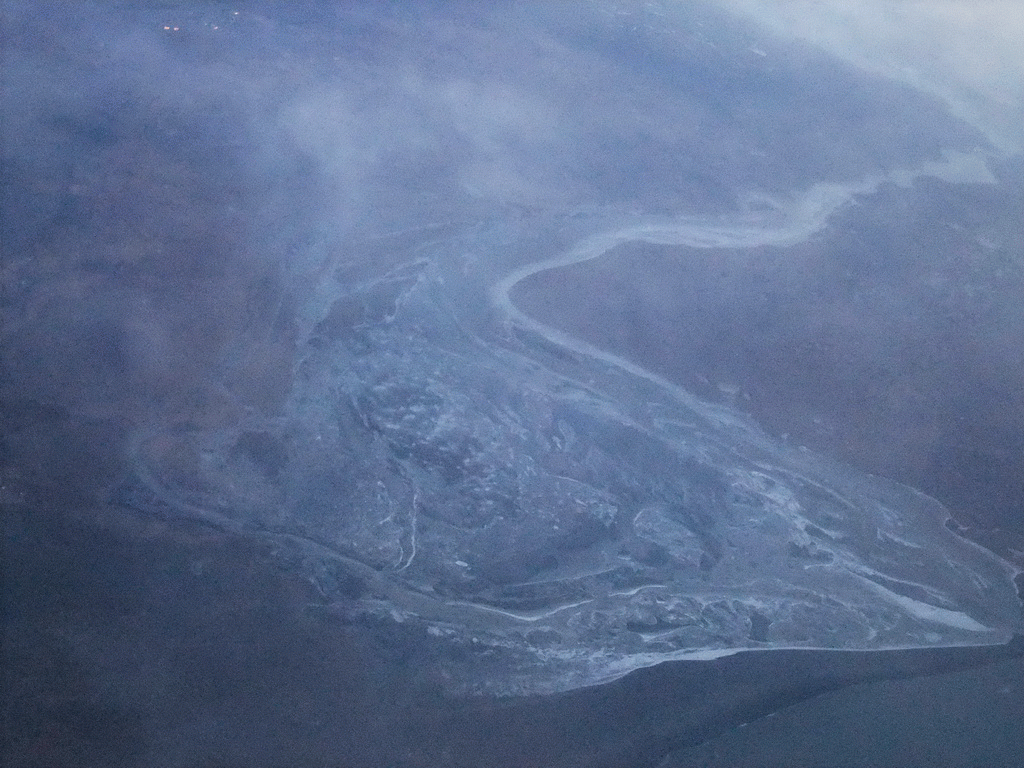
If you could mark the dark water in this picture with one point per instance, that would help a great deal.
(135, 642)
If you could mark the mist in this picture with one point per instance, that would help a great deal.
(966, 53)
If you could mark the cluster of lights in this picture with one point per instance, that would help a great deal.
(172, 28)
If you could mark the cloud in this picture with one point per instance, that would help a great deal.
(969, 53)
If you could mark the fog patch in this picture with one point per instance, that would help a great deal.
(966, 53)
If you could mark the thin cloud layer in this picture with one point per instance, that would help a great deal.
(968, 53)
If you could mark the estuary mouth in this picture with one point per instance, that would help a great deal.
(572, 515)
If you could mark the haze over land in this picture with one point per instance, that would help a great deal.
(967, 52)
